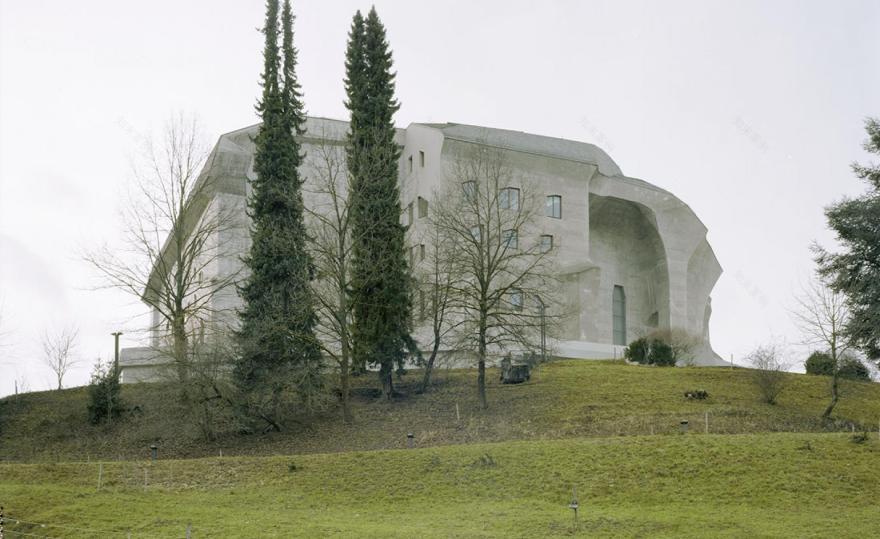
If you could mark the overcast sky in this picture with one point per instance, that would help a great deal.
(750, 112)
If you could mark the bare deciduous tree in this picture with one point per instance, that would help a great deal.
(58, 347)
(330, 244)
(173, 224)
(768, 371)
(489, 217)
(436, 277)
(822, 316)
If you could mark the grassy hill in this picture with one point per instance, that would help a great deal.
(763, 471)
(769, 485)
(564, 399)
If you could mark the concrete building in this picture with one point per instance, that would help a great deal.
(634, 257)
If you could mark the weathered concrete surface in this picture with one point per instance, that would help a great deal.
(614, 231)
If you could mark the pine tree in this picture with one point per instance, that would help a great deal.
(855, 269)
(380, 276)
(278, 348)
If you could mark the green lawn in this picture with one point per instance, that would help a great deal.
(753, 485)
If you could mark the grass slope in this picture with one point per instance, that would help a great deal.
(755, 485)
(564, 399)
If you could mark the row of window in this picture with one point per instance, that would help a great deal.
(508, 199)
(510, 238)
(421, 160)
(422, 208)
(515, 300)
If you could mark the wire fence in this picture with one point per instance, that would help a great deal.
(11, 527)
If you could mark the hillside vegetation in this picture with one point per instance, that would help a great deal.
(753, 485)
(564, 399)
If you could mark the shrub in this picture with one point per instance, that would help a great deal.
(661, 354)
(104, 402)
(651, 350)
(768, 371)
(696, 394)
(820, 363)
(637, 351)
(854, 369)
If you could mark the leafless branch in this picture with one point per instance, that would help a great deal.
(58, 347)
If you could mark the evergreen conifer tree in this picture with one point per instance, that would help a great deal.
(380, 276)
(278, 348)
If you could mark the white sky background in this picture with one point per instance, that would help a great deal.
(750, 112)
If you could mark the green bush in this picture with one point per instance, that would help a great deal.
(854, 369)
(104, 402)
(661, 354)
(637, 351)
(650, 351)
(820, 363)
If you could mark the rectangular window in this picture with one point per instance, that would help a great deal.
(477, 233)
(410, 163)
(618, 314)
(421, 159)
(516, 299)
(510, 239)
(553, 207)
(423, 208)
(508, 198)
(422, 251)
(409, 214)
(546, 243)
(470, 190)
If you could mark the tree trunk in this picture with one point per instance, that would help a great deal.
(429, 366)
(345, 383)
(481, 372)
(385, 378)
(834, 394)
(834, 376)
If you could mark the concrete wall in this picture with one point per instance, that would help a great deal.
(614, 230)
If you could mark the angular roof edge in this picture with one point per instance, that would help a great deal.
(520, 141)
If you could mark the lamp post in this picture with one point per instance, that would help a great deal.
(543, 329)
(116, 335)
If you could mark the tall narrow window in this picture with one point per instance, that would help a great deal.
(421, 159)
(423, 208)
(516, 299)
(618, 314)
(508, 198)
(553, 207)
(470, 189)
(422, 251)
(410, 163)
(546, 243)
(409, 213)
(510, 239)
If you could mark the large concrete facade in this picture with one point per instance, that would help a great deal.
(616, 240)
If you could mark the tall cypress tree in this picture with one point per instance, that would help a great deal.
(380, 277)
(278, 349)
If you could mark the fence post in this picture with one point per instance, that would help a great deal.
(100, 474)
(707, 422)
(189, 531)
(1, 522)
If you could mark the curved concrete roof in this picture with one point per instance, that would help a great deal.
(536, 144)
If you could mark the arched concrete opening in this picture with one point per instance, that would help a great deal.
(628, 252)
